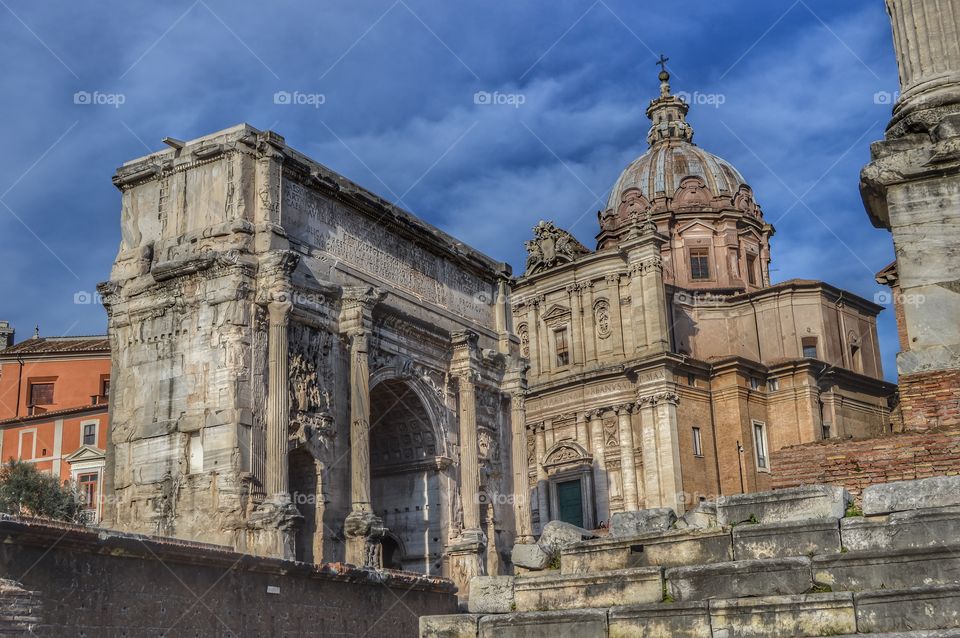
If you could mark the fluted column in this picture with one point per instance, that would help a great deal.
(469, 463)
(595, 417)
(628, 462)
(926, 36)
(359, 422)
(278, 402)
(518, 450)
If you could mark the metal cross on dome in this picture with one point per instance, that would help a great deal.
(663, 62)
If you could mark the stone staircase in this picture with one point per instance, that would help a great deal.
(789, 564)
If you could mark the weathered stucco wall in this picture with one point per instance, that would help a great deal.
(63, 580)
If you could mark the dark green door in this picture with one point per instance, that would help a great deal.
(570, 502)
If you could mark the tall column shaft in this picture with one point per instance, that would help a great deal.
(628, 462)
(469, 463)
(926, 36)
(278, 401)
(589, 325)
(577, 336)
(359, 422)
(518, 451)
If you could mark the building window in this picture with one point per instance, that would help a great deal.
(41, 394)
(752, 269)
(809, 345)
(755, 383)
(87, 485)
(105, 388)
(773, 385)
(760, 444)
(825, 430)
(561, 347)
(90, 433)
(855, 360)
(691, 380)
(700, 263)
(697, 442)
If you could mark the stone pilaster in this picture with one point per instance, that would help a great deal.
(518, 451)
(600, 486)
(589, 325)
(613, 297)
(583, 435)
(469, 461)
(533, 329)
(647, 295)
(543, 498)
(576, 320)
(628, 462)
(663, 483)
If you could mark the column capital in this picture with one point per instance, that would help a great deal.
(361, 297)
(594, 414)
(624, 409)
(279, 311)
(612, 278)
(650, 400)
(518, 401)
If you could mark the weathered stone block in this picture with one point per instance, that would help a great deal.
(781, 616)
(936, 607)
(557, 535)
(529, 555)
(902, 530)
(740, 578)
(676, 620)
(937, 491)
(578, 623)
(452, 626)
(782, 540)
(668, 549)
(885, 569)
(642, 521)
(781, 506)
(703, 516)
(491, 595)
(631, 586)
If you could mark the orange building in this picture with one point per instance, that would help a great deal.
(53, 409)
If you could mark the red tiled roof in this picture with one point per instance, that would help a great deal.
(56, 413)
(60, 345)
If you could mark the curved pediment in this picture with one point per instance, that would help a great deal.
(566, 453)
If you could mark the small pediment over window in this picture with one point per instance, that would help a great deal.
(566, 453)
(556, 314)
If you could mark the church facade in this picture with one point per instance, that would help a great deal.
(664, 365)
(301, 369)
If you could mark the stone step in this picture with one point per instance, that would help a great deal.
(675, 548)
(902, 530)
(782, 506)
(737, 579)
(783, 540)
(888, 569)
(606, 589)
(922, 612)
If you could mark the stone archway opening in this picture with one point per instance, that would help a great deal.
(405, 477)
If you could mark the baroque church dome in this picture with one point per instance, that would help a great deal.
(717, 237)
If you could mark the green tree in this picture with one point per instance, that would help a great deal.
(26, 491)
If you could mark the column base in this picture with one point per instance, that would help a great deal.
(364, 530)
(465, 555)
(272, 528)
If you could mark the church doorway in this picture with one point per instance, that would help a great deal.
(570, 502)
(405, 477)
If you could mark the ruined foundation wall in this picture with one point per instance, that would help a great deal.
(63, 580)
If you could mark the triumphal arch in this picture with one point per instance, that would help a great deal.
(302, 369)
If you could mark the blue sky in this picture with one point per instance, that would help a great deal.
(386, 92)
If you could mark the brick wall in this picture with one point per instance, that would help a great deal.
(73, 581)
(855, 464)
(930, 399)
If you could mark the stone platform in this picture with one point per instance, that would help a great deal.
(792, 564)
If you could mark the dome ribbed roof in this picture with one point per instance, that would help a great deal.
(658, 172)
